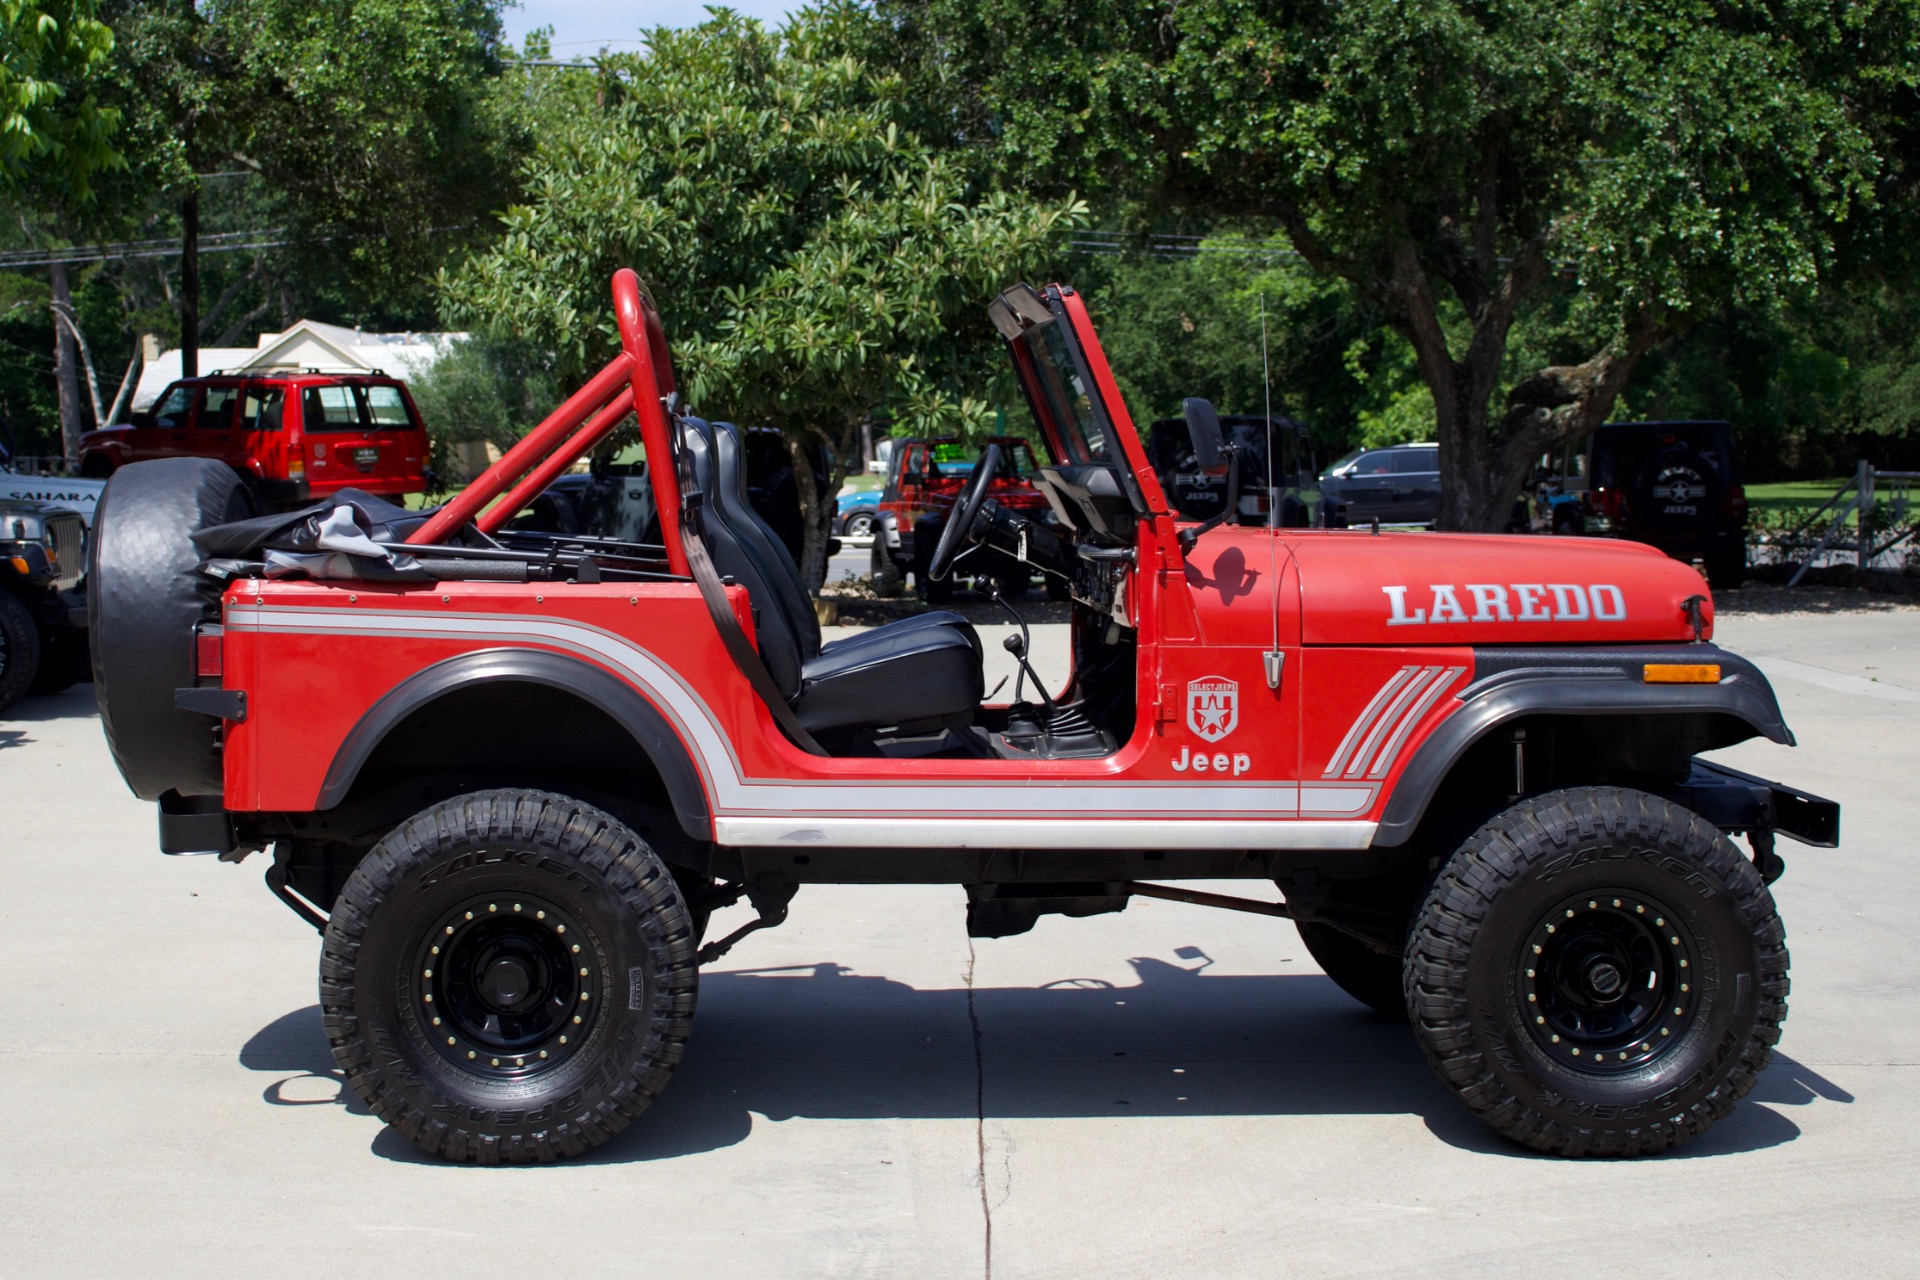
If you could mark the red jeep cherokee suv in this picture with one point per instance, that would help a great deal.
(293, 436)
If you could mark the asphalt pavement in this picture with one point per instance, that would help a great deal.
(1168, 1091)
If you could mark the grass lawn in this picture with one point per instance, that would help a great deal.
(1806, 495)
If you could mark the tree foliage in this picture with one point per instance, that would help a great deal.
(817, 264)
(54, 133)
(1599, 174)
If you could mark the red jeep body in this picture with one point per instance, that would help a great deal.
(927, 475)
(293, 436)
(1331, 711)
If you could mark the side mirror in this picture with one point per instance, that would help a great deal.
(1209, 443)
(143, 420)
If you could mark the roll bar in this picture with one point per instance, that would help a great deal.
(637, 381)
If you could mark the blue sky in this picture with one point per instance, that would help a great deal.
(582, 27)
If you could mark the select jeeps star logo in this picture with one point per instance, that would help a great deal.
(1213, 707)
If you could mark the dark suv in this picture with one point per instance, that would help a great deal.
(1672, 485)
(1395, 485)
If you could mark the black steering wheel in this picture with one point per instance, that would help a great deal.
(956, 535)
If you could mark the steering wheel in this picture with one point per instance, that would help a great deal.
(956, 535)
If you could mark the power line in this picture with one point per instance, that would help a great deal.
(219, 242)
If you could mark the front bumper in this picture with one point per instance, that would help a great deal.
(1735, 801)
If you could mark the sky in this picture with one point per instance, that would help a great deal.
(582, 28)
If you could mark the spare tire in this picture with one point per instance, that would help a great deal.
(143, 600)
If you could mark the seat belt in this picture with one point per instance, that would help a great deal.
(727, 623)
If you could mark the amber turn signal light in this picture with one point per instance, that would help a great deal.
(1681, 673)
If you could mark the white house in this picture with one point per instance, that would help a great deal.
(307, 345)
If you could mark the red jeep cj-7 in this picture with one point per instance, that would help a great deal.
(510, 775)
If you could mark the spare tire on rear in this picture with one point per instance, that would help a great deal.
(144, 598)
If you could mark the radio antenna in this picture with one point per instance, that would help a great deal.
(1274, 657)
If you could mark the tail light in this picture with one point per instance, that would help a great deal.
(209, 651)
(296, 467)
(1735, 503)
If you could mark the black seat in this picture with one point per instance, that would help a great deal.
(921, 671)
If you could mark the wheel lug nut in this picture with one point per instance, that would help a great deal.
(472, 1054)
(450, 1040)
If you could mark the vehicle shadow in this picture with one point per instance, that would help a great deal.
(824, 1042)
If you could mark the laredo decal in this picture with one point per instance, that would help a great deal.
(1213, 707)
(1504, 602)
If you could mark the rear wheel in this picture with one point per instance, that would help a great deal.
(887, 573)
(1357, 969)
(509, 977)
(858, 525)
(1598, 972)
(1728, 569)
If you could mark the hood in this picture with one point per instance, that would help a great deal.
(1357, 588)
(53, 491)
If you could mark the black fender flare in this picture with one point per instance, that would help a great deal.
(1510, 684)
(650, 729)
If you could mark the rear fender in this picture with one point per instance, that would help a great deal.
(650, 729)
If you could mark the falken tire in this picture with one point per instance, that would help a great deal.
(1543, 945)
(143, 600)
(20, 650)
(509, 977)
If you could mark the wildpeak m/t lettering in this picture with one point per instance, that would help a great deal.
(1506, 602)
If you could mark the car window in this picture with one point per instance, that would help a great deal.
(329, 409)
(216, 408)
(171, 413)
(260, 411)
(1416, 462)
(1373, 464)
(386, 407)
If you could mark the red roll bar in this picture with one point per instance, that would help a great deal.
(579, 424)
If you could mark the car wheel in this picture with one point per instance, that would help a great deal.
(509, 977)
(63, 661)
(885, 568)
(1728, 569)
(1357, 969)
(1598, 972)
(19, 650)
(860, 524)
(1567, 524)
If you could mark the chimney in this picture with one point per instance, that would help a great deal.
(149, 348)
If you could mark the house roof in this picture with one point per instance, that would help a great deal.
(309, 344)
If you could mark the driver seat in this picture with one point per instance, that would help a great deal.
(917, 674)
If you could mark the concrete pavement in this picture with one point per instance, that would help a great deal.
(1166, 1091)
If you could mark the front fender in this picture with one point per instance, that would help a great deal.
(1513, 683)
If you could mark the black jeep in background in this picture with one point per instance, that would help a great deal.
(1672, 485)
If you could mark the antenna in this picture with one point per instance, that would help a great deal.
(1273, 657)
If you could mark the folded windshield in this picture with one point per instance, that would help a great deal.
(1055, 378)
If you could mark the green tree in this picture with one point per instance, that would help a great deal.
(818, 266)
(53, 130)
(1580, 179)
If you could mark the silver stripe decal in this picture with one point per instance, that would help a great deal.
(1212, 811)
(1365, 720)
(1415, 714)
(980, 833)
(1408, 692)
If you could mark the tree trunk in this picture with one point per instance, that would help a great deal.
(816, 517)
(190, 286)
(66, 365)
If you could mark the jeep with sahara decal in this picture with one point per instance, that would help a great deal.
(511, 775)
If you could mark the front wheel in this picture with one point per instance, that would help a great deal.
(509, 977)
(1598, 972)
(19, 650)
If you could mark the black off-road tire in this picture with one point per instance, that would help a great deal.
(463, 1052)
(19, 650)
(1357, 969)
(143, 600)
(1727, 570)
(1532, 927)
(63, 661)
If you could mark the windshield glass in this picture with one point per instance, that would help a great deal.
(955, 459)
(1057, 381)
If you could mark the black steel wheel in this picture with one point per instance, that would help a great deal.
(1598, 971)
(509, 977)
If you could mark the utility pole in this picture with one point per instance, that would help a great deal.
(190, 284)
(66, 364)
